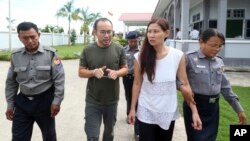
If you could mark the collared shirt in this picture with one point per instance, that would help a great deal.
(207, 77)
(35, 73)
(130, 58)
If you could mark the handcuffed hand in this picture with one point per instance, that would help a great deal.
(99, 72)
(112, 74)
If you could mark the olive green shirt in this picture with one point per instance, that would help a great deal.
(103, 91)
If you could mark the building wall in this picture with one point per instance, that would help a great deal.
(213, 9)
(242, 4)
(195, 10)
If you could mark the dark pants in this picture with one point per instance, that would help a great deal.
(29, 111)
(208, 109)
(128, 85)
(153, 132)
(94, 114)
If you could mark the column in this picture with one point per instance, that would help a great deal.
(222, 16)
(185, 6)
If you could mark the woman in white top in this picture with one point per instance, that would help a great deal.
(156, 67)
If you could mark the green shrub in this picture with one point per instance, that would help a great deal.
(5, 55)
(120, 40)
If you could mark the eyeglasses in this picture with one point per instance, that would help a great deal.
(104, 32)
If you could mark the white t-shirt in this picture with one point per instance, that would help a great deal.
(194, 34)
(157, 102)
(178, 35)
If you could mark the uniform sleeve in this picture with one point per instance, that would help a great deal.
(229, 95)
(11, 87)
(58, 78)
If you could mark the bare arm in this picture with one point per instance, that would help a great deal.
(113, 74)
(135, 91)
(99, 72)
(188, 94)
(83, 72)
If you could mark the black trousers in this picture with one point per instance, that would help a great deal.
(153, 132)
(128, 85)
(33, 109)
(208, 109)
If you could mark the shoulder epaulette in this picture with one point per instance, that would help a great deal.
(219, 56)
(17, 50)
(190, 52)
(49, 48)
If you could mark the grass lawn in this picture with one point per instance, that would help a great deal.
(227, 114)
(69, 52)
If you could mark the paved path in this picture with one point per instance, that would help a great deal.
(70, 122)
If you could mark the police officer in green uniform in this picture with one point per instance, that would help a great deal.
(205, 72)
(34, 86)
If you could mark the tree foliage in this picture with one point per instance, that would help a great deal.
(68, 11)
(51, 28)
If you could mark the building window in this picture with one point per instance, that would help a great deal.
(212, 23)
(235, 13)
(248, 29)
(196, 17)
(228, 13)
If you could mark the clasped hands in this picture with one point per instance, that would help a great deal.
(99, 73)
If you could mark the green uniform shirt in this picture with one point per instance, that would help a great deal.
(103, 91)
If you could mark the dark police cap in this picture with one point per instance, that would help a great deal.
(132, 35)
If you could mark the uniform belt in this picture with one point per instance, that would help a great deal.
(37, 96)
(206, 98)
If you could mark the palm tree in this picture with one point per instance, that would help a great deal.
(68, 11)
(88, 19)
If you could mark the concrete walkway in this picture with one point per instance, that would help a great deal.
(70, 121)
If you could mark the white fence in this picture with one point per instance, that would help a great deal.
(49, 39)
(236, 53)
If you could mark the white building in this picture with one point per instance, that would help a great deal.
(231, 17)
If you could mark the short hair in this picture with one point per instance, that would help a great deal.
(100, 19)
(211, 32)
(24, 26)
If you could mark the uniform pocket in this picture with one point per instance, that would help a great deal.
(201, 77)
(219, 74)
(43, 72)
(21, 73)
